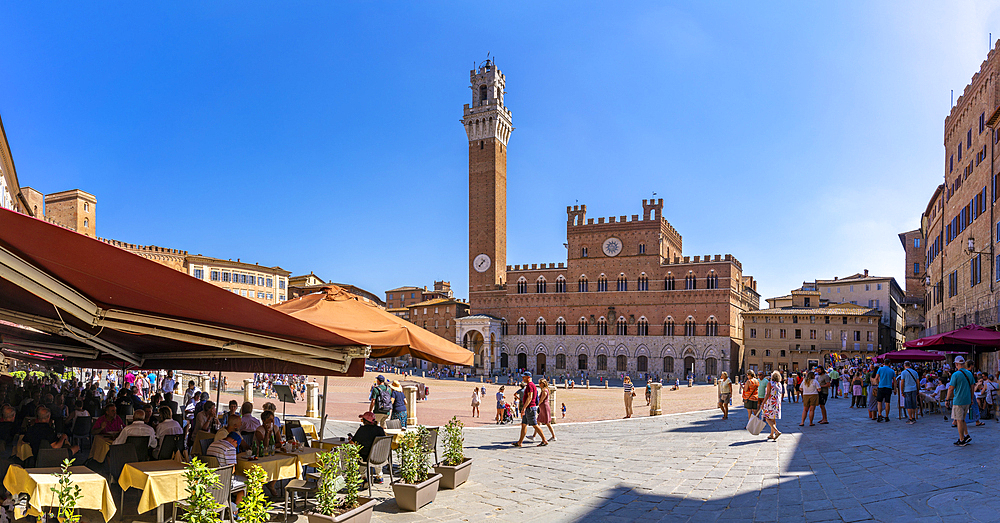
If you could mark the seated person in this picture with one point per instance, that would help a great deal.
(234, 409)
(225, 451)
(8, 428)
(365, 437)
(168, 400)
(233, 424)
(78, 412)
(207, 420)
(42, 430)
(250, 423)
(273, 409)
(109, 423)
(267, 429)
(168, 426)
(138, 427)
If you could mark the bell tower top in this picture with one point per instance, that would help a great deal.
(487, 117)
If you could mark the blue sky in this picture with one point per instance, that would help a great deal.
(325, 137)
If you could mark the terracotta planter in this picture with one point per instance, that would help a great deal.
(452, 477)
(412, 497)
(362, 514)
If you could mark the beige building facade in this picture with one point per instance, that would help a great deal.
(11, 197)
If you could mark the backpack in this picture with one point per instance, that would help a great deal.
(384, 400)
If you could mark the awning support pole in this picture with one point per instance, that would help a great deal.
(322, 410)
(218, 392)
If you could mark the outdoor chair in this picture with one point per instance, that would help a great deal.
(49, 457)
(380, 456)
(430, 442)
(393, 424)
(141, 444)
(81, 430)
(171, 443)
(289, 425)
(203, 444)
(211, 462)
(306, 487)
(220, 492)
(179, 418)
(299, 434)
(118, 457)
(201, 435)
(126, 410)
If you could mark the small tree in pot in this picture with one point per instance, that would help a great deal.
(68, 493)
(417, 486)
(254, 506)
(456, 467)
(341, 471)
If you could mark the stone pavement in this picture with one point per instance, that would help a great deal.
(696, 467)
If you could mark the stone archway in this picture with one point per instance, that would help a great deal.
(475, 343)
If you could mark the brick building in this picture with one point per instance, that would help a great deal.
(625, 300)
(804, 330)
(913, 299)
(438, 315)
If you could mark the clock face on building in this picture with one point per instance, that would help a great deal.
(481, 263)
(612, 246)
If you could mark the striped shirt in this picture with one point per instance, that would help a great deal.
(224, 451)
(629, 387)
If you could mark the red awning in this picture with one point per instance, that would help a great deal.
(968, 335)
(123, 309)
(911, 354)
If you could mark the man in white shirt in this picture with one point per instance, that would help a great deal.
(137, 428)
(168, 383)
(168, 426)
(189, 394)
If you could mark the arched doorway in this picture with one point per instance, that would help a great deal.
(621, 363)
(711, 367)
(474, 342)
(522, 361)
(503, 360)
(688, 366)
(540, 364)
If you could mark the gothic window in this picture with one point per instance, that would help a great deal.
(583, 252)
(560, 327)
(642, 248)
(668, 283)
(712, 327)
(668, 364)
(622, 283)
(540, 326)
(540, 285)
(561, 361)
(643, 282)
(522, 286)
(522, 327)
(581, 284)
(668, 327)
(602, 327)
(503, 326)
(581, 362)
(561, 284)
(621, 327)
(690, 282)
(712, 282)
(642, 329)
(689, 327)
(602, 362)
(602, 284)
(581, 327)
(621, 363)
(641, 364)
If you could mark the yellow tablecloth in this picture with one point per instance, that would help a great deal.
(278, 466)
(309, 429)
(161, 482)
(327, 444)
(23, 450)
(306, 455)
(38, 483)
(99, 448)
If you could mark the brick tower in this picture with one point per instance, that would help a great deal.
(488, 125)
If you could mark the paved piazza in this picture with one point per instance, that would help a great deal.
(696, 467)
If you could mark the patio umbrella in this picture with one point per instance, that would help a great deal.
(359, 319)
(982, 337)
(911, 354)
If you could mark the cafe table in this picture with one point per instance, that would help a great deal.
(305, 455)
(309, 429)
(161, 482)
(328, 443)
(99, 448)
(277, 467)
(37, 483)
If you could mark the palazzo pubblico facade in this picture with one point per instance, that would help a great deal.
(626, 300)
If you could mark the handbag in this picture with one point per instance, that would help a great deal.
(755, 424)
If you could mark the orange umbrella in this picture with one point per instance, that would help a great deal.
(360, 320)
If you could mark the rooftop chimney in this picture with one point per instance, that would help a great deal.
(866, 273)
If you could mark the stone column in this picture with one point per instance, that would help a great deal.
(410, 392)
(605, 383)
(206, 383)
(588, 384)
(654, 399)
(248, 390)
(312, 400)
(552, 404)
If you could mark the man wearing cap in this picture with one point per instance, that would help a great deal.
(379, 390)
(529, 410)
(365, 437)
(886, 376)
(960, 394)
(225, 451)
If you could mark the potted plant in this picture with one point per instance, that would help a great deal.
(341, 471)
(201, 506)
(254, 506)
(68, 493)
(416, 486)
(455, 467)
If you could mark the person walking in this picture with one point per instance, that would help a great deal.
(857, 390)
(910, 383)
(500, 405)
(835, 382)
(824, 392)
(529, 411)
(725, 392)
(750, 393)
(762, 381)
(771, 407)
(475, 402)
(790, 387)
(960, 395)
(629, 394)
(544, 411)
(810, 398)
(885, 377)
(398, 403)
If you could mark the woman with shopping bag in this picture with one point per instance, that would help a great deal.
(771, 407)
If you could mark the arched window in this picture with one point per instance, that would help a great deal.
(602, 327)
(540, 326)
(560, 284)
(712, 327)
(622, 283)
(621, 363)
(503, 326)
(643, 282)
(602, 284)
(642, 328)
(581, 326)
(522, 327)
(621, 327)
(560, 327)
(581, 362)
(561, 361)
(602, 362)
(540, 285)
(641, 364)
(86, 207)
(522, 286)
(690, 282)
(712, 282)
(583, 252)
(86, 223)
(642, 248)
(668, 327)
(668, 283)
(668, 364)
(711, 367)
(689, 327)
(689, 365)
(503, 360)
(581, 284)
